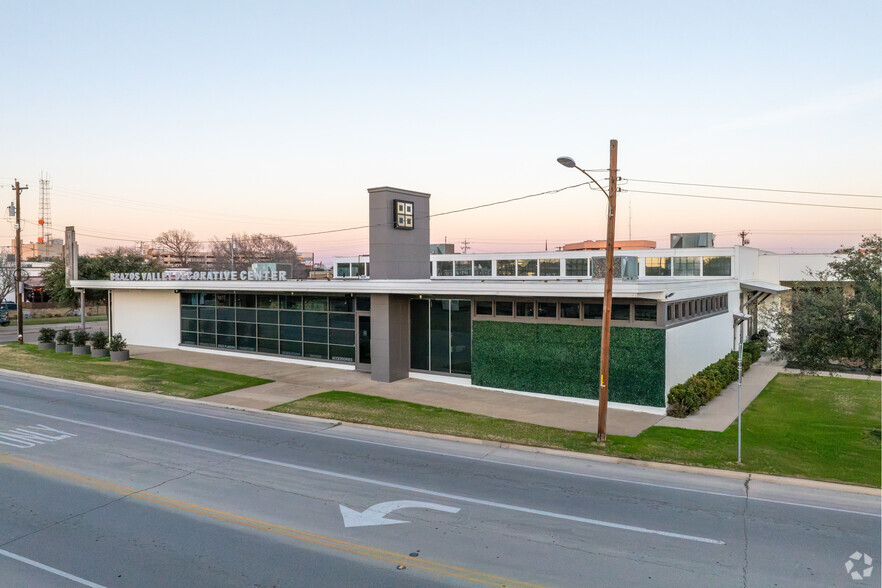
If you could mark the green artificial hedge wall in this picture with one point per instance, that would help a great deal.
(564, 360)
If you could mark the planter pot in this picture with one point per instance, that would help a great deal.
(45, 346)
(81, 350)
(100, 352)
(63, 348)
(122, 355)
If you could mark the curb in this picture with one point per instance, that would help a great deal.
(732, 474)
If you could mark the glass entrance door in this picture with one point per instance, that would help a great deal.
(364, 343)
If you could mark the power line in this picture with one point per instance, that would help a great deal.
(757, 189)
(756, 201)
(355, 228)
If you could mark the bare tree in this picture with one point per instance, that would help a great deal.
(241, 250)
(180, 243)
(7, 273)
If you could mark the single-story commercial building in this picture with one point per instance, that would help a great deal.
(523, 322)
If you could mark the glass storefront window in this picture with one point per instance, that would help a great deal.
(504, 308)
(315, 303)
(246, 301)
(569, 310)
(441, 335)
(577, 267)
(620, 312)
(343, 270)
(547, 309)
(717, 266)
(527, 267)
(484, 307)
(645, 312)
(291, 302)
(594, 310)
(687, 266)
(526, 308)
(271, 323)
(657, 266)
(463, 268)
(549, 267)
(483, 267)
(505, 267)
(267, 301)
(444, 268)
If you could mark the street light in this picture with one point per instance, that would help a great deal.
(738, 320)
(603, 395)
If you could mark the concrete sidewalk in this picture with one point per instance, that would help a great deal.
(722, 411)
(294, 381)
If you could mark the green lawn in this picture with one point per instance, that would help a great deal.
(135, 374)
(54, 320)
(804, 426)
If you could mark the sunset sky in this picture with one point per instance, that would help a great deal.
(276, 117)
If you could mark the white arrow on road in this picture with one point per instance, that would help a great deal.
(376, 515)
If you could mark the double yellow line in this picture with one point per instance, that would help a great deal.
(228, 517)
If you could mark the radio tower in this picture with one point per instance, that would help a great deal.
(45, 216)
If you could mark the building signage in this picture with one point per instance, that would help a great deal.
(402, 214)
(226, 276)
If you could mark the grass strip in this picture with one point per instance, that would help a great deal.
(811, 427)
(135, 374)
(55, 320)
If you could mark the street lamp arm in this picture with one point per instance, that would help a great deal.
(596, 183)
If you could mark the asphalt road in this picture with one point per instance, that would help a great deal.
(115, 489)
(31, 332)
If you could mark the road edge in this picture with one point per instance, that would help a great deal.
(720, 473)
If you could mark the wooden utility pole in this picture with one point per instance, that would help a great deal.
(603, 396)
(18, 297)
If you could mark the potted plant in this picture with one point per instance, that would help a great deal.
(46, 340)
(63, 341)
(99, 344)
(80, 342)
(118, 351)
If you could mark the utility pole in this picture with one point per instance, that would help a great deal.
(18, 284)
(465, 245)
(744, 240)
(603, 396)
(603, 393)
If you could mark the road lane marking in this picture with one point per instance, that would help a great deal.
(259, 525)
(23, 437)
(445, 454)
(381, 483)
(50, 569)
(376, 514)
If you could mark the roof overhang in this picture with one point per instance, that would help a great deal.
(764, 287)
(651, 289)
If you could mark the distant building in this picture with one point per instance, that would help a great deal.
(601, 245)
(40, 251)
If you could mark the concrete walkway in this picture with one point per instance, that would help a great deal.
(294, 381)
(722, 411)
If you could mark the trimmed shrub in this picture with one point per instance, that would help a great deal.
(80, 337)
(63, 337)
(99, 340)
(686, 398)
(47, 335)
(117, 343)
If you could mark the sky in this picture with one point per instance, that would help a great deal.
(276, 117)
